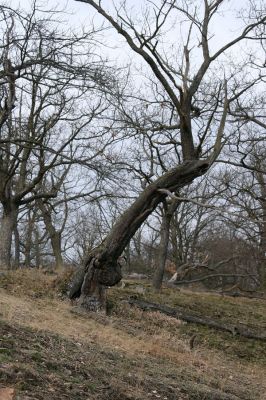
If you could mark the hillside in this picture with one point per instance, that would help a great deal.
(51, 350)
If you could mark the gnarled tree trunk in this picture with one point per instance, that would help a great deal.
(101, 268)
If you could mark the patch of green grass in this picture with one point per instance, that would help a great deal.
(235, 347)
(5, 355)
(36, 356)
(52, 366)
(247, 311)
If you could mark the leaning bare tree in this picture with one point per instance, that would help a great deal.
(195, 82)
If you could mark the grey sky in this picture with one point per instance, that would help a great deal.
(225, 26)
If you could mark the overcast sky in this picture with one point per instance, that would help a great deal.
(225, 26)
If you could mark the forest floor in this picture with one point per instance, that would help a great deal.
(49, 350)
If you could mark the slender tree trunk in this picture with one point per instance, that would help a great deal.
(27, 254)
(37, 250)
(163, 249)
(55, 236)
(168, 212)
(151, 252)
(8, 223)
(177, 243)
(262, 263)
(101, 268)
(173, 238)
(262, 266)
(17, 247)
(28, 245)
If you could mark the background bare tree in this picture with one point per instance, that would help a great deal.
(48, 84)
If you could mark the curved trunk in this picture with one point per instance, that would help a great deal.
(102, 268)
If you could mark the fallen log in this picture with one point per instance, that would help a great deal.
(180, 313)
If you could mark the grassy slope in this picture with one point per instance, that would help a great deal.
(47, 351)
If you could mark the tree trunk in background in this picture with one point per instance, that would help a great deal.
(163, 248)
(8, 223)
(262, 263)
(54, 235)
(28, 244)
(128, 257)
(6, 241)
(177, 243)
(17, 247)
(262, 268)
(101, 268)
(37, 249)
(56, 246)
(27, 254)
(168, 212)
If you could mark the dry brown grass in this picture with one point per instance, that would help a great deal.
(156, 341)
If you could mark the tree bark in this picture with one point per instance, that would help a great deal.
(8, 223)
(93, 294)
(101, 267)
